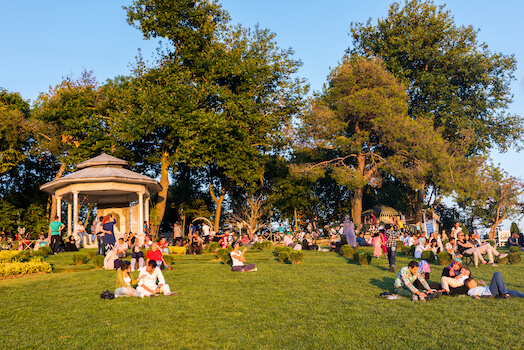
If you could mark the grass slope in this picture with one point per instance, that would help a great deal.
(327, 302)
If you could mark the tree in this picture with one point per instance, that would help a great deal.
(360, 125)
(514, 228)
(452, 80)
(215, 99)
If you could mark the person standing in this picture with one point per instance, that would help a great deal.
(54, 234)
(100, 236)
(348, 229)
(391, 245)
(109, 234)
(177, 232)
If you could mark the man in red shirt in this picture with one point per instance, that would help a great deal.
(155, 254)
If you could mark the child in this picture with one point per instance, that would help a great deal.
(377, 244)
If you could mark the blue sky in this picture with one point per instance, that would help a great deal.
(44, 41)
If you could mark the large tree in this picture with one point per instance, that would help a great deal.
(215, 98)
(456, 83)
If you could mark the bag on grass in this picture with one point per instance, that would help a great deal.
(107, 295)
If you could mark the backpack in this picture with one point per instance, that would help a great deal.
(107, 295)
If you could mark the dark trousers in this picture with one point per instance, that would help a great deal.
(392, 253)
(498, 287)
(55, 240)
(100, 250)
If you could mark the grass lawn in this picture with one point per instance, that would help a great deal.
(326, 302)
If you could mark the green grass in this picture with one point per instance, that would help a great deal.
(327, 302)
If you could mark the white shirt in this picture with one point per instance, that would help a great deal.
(455, 231)
(150, 279)
(80, 228)
(479, 291)
(235, 256)
(288, 240)
(205, 230)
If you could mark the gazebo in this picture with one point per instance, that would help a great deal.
(108, 182)
(383, 213)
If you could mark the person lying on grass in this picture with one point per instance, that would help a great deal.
(238, 259)
(497, 288)
(125, 282)
(404, 283)
(456, 281)
(147, 281)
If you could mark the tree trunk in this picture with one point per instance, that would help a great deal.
(218, 202)
(358, 193)
(421, 193)
(52, 212)
(296, 220)
(161, 201)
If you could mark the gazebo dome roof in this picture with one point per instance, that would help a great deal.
(106, 173)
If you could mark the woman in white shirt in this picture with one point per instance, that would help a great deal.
(238, 259)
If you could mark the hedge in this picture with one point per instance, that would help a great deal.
(22, 268)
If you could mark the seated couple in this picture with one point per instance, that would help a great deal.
(453, 278)
(469, 245)
(147, 281)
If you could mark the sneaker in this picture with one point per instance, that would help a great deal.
(392, 268)
(172, 294)
(414, 297)
(493, 264)
(502, 255)
(421, 298)
(255, 269)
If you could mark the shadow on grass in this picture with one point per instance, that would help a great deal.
(386, 283)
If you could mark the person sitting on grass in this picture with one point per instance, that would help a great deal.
(121, 248)
(70, 245)
(288, 240)
(41, 242)
(335, 243)
(361, 240)
(404, 283)
(196, 244)
(163, 245)
(456, 281)
(513, 241)
(307, 243)
(147, 281)
(137, 257)
(111, 260)
(497, 288)
(125, 282)
(238, 259)
(155, 254)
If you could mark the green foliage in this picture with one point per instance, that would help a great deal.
(428, 255)
(406, 250)
(347, 251)
(211, 247)
(514, 249)
(501, 261)
(279, 249)
(8, 216)
(444, 258)
(35, 219)
(296, 257)
(98, 261)
(257, 246)
(169, 259)
(46, 249)
(363, 258)
(266, 244)
(514, 258)
(491, 242)
(79, 258)
(514, 228)
(223, 255)
(400, 244)
(8, 255)
(39, 253)
(91, 255)
(22, 268)
(283, 255)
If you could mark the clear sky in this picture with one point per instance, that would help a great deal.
(44, 41)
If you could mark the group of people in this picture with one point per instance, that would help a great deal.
(411, 282)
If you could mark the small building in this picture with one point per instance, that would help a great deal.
(107, 182)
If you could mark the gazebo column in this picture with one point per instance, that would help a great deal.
(69, 218)
(75, 213)
(140, 213)
(147, 210)
(59, 207)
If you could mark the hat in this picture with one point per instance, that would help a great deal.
(288, 233)
(458, 261)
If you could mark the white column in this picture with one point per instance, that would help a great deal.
(147, 210)
(75, 212)
(140, 213)
(59, 207)
(69, 218)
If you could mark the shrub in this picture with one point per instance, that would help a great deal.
(514, 249)
(347, 251)
(279, 249)
(91, 255)
(79, 258)
(99, 260)
(514, 258)
(428, 255)
(38, 253)
(444, 258)
(501, 261)
(8, 255)
(492, 242)
(283, 255)
(257, 245)
(444, 242)
(223, 255)
(37, 259)
(23, 255)
(400, 243)
(177, 250)
(46, 249)
(405, 250)
(212, 247)
(22, 268)
(296, 257)
(169, 259)
(363, 258)
(266, 244)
